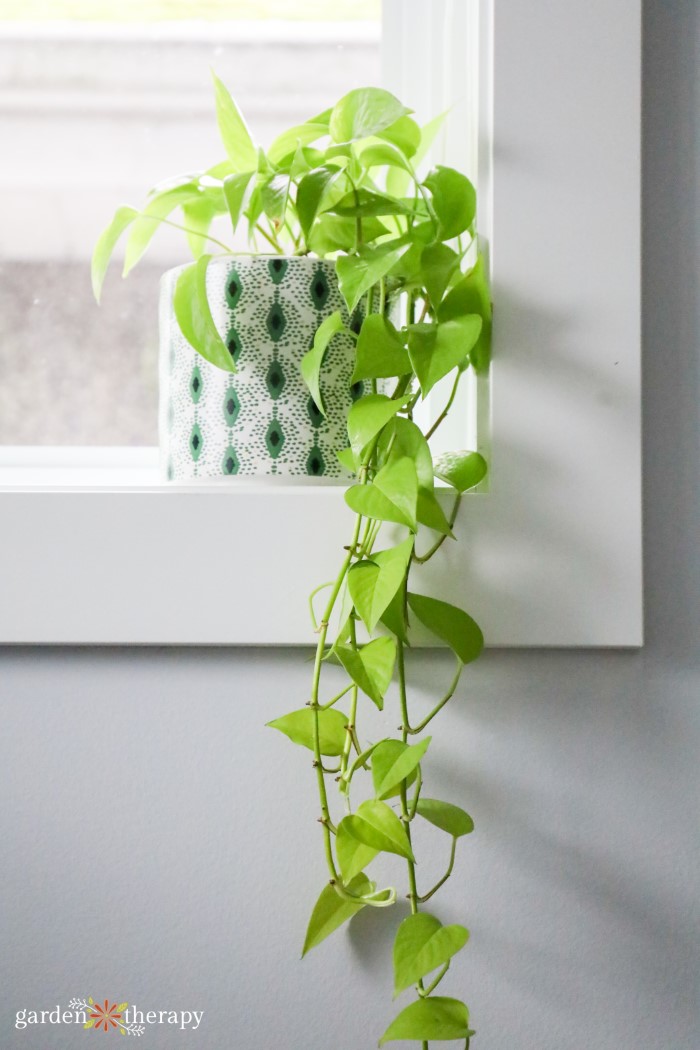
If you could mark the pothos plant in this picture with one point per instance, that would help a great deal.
(347, 185)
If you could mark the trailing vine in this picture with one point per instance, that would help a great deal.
(346, 185)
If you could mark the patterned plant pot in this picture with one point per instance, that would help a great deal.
(260, 420)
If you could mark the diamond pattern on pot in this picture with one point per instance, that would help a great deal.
(234, 288)
(233, 342)
(232, 406)
(231, 463)
(315, 464)
(196, 442)
(277, 268)
(274, 438)
(320, 289)
(196, 384)
(357, 390)
(275, 380)
(276, 322)
(313, 413)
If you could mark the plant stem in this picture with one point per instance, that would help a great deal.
(446, 409)
(187, 229)
(445, 877)
(270, 239)
(413, 730)
(421, 559)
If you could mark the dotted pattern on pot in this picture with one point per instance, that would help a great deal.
(260, 420)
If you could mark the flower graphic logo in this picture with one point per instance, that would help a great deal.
(107, 1015)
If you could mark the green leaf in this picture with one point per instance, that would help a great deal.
(358, 273)
(404, 438)
(288, 141)
(194, 317)
(435, 1017)
(446, 816)
(233, 130)
(422, 945)
(372, 584)
(353, 855)
(398, 481)
(454, 200)
(122, 1007)
(106, 243)
(274, 193)
(397, 181)
(452, 625)
(404, 134)
(438, 263)
(89, 1024)
(436, 349)
(368, 202)
(380, 352)
(376, 825)
(299, 727)
(146, 225)
(393, 762)
(330, 233)
(383, 154)
(394, 616)
(367, 417)
(370, 667)
(371, 503)
(364, 112)
(236, 189)
(471, 295)
(346, 459)
(198, 216)
(430, 513)
(312, 361)
(310, 194)
(331, 911)
(462, 470)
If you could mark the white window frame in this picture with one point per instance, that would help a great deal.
(551, 554)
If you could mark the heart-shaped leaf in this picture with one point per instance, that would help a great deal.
(376, 825)
(353, 855)
(310, 194)
(454, 200)
(331, 911)
(372, 584)
(371, 503)
(436, 349)
(312, 361)
(435, 1017)
(471, 295)
(393, 762)
(451, 624)
(462, 470)
(430, 513)
(367, 417)
(422, 944)
(370, 667)
(299, 727)
(380, 352)
(193, 314)
(364, 112)
(438, 263)
(359, 272)
(446, 816)
(398, 481)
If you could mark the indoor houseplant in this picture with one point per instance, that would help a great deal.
(340, 195)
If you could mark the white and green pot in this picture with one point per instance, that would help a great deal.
(261, 420)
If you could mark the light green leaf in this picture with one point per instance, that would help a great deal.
(454, 200)
(372, 584)
(353, 855)
(404, 438)
(438, 264)
(452, 625)
(89, 1024)
(446, 816)
(471, 295)
(331, 911)
(312, 361)
(145, 226)
(122, 1007)
(404, 134)
(383, 154)
(197, 217)
(435, 1017)
(274, 193)
(430, 513)
(380, 352)
(367, 417)
(236, 189)
(365, 203)
(330, 233)
(370, 666)
(436, 349)
(358, 273)
(299, 727)
(462, 470)
(422, 945)
(106, 243)
(310, 193)
(397, 181)
(346, 459)
(393, 762)
(287, 142)
(398, 481)
(394, 616)
(234, 130)
(364, 112)
(376, 825)
(371, 503)
(194, 317)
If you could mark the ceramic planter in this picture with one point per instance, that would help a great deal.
(261, 420)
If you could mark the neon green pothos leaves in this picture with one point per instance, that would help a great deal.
(193, 314)
(422, 945)
(299, 727)
(435, 1017)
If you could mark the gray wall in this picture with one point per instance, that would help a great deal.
(159, 844)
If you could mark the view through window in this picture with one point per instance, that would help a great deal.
(96, 108)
